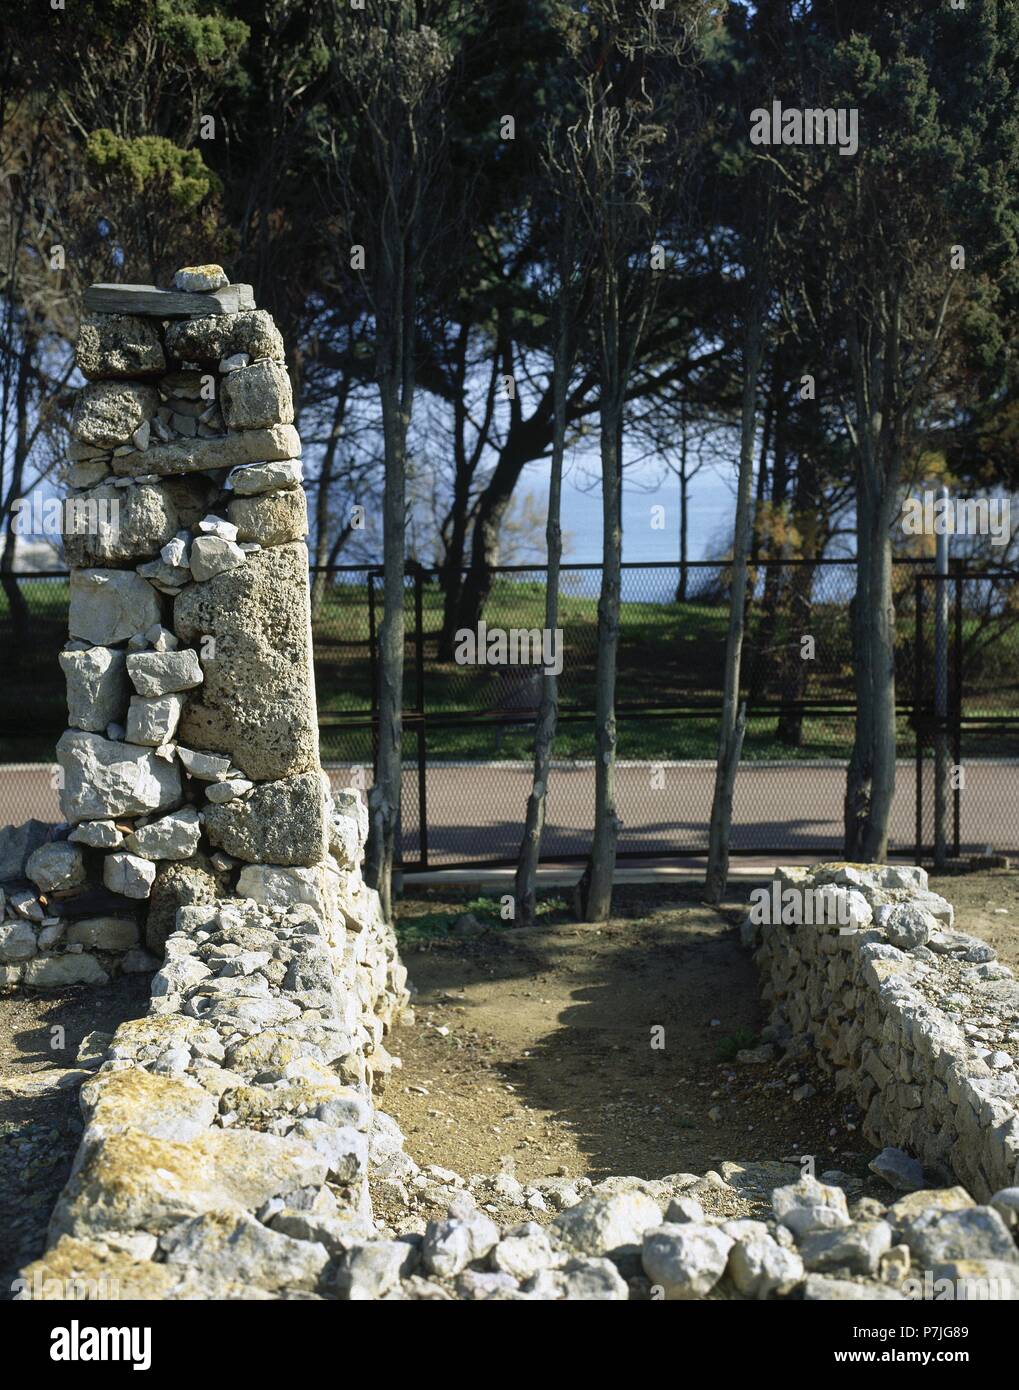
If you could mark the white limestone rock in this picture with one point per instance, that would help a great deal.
(97, 688)
(97, 834)
(164, 673)
(212, 555)
(104, 780)
(250, 479)
(109, 606)
(128, 874)
(174, 836)
(56, 865)
(153, 722)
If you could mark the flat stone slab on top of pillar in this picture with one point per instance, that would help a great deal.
(167, 304)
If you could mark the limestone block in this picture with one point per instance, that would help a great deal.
(107, 413)
(97, 834)
(153, 722)
(97, 689)
(164, 673)
(281, 822)
(56, 865)
(212, 555)
(271, 519)
(53, 972)
(119, 345)
(17, 942)
(116, 525)
(257, 704)
(207, 339)
(128, 874)
(109, 606)
(252, 479)
(206, 455)
(257, 396)
(171, 837)
(104, 933)
(104, 780)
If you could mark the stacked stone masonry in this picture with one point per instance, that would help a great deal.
(918, 1022)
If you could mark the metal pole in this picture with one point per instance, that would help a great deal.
(941, 687)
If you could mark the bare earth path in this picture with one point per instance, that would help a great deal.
(547, 1057)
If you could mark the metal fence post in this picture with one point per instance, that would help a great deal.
(941, 688)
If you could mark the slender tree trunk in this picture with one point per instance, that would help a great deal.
(870, 778)
(596, 885)
(548, 711)
(323, 542)
(730, 737)
(21, 619)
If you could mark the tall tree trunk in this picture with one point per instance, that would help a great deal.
(730, 735)
(323, 541)
(684, 520)
(548, 711)
(21, 618)
(870, 777)
(596, 884)
(396, 374)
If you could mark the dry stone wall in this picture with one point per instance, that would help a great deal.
(191, 759)
(917, 1021)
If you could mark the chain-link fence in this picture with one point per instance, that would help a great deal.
(470, 708)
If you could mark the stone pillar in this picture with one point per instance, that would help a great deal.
(191, 766)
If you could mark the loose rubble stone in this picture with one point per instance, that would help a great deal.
(613, 1226)
(252, 479)
(97, 834)
(898, 1170)
(104, 780)
(685, 1260)
(759, 1266)
(97, 689)
(171, 837)
(199, 279)
(56, 865)
(809, 1205)
(17, 942)
(164, 673)
(212, 555)
(128, 874)
(153, 723)
(109, 606)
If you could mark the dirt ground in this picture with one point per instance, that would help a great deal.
(535, 1046)
(531, 1050)
(40, 1122)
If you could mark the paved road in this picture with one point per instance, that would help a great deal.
(475, 809)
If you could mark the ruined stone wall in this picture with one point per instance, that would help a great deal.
(190, 768)
(917, 1022)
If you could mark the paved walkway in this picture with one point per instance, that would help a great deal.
(475, 810)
